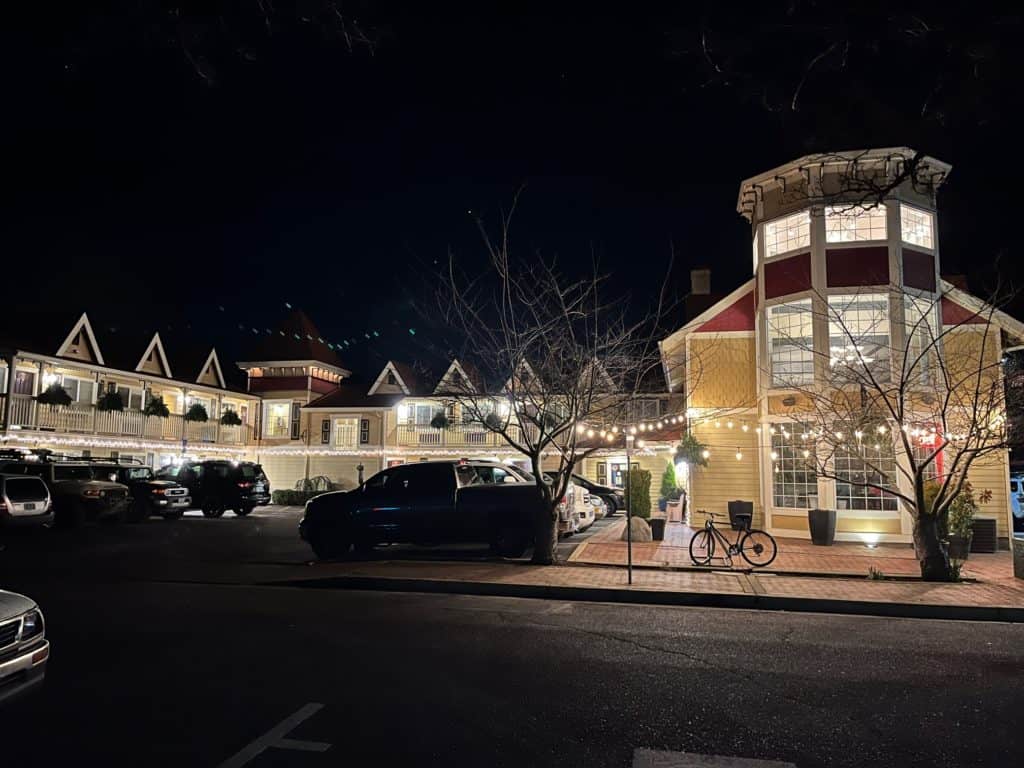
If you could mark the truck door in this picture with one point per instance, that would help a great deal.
(427, 512)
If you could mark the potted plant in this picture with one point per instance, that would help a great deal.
(157, 407)
(54, 395)
(960, 520)
(440, 421)
(110, 401)
(196, 412)
(230, 419)
(668, 486)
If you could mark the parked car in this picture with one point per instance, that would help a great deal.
(1017, 501)
(600, 508)
(218, 485)
(76, 496)
(24, 501)
(150, 495)
(574, 510)
(24, 648)
(614, 498)
(426, 503)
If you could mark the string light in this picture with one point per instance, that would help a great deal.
(640, 443)
(739, 455)
(746, 428)
(774, 455)
(590, 433)
(705, 454)
(729, 424)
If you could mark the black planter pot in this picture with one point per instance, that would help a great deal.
(822, 523)
(662, 505)
(657, 528)
(959, 547)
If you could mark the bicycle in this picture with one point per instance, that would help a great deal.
(756, 547)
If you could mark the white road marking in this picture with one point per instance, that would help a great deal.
(276, 738)
(650, 758)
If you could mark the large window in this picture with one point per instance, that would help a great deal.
(858, 334)
(787, 234)
(794, 482)
(857, 464)
(916, 226)
(131, 397)
(346, 432)
(791, 343)
(849, 223)
(277, 417)
(919, 316)
(80, 390)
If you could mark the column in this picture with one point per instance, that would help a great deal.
(11, 361)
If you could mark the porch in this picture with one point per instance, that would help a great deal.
(795, 555)
(454, 436)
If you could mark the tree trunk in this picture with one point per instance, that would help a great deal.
(545, 538)
(931, 550)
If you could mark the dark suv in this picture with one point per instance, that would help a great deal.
(150, 496)
(615, 498)
(76, 493)
(217, 485)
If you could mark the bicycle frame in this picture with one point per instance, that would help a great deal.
(732, 548)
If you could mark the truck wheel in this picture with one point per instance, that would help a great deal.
(173, 514)
(327, 547)
(213, 508)
(243, 511)
(508, 542)
(612, 508)
(139, 511)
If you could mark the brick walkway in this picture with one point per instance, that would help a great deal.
(795, 556)
(1007, 593)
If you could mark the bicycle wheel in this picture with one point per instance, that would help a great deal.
(758, 548)
(702, 547)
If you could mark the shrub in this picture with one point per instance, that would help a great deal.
(231, 419)
(668, 482)
(54, 395)
(290, 498)
(639, 492)
(493, 421)
(110, 401)
(440, 421)
(317, 484)
(196, 412)
(962, 510)
(156, 407)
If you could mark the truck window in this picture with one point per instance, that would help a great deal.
(72, 473)
(423, 478)
(466, 475)
(495, 475)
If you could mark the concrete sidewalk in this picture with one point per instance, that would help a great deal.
(988, 601)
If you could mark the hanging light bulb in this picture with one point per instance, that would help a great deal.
(758, 430)
(774, 455)
(615, 430)
(739, 454)
(771, 430)
(603, 433)
(718, 424)
(803, 435)
(728, 424)
(839, 435)
(858, 434)
(632, 430)
(660, 425)
(881, 430)
(806, 453)
(776, 469)
(706, 454)
(590, 433)
(610, 437)
(580, 429)
(640, 443)
(746, 428)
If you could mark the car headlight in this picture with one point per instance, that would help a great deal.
(32, 625)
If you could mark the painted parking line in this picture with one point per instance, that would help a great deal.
(650, 758)
(277, 738)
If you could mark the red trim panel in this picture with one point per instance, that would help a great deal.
(918, 269)
(954, 314)
(857, 266)
(787, 276)
(278, 383)
(739, 316)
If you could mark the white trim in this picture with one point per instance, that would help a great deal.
(457, 366)
(973, 304)
(380, 379)
(82, 324)
(525, 364)
(713, 310)
(247, 365)
(211, 359)
(158, 344)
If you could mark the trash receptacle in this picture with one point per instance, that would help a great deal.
(741, 514)
(822, 523)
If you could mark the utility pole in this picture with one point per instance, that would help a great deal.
(629, 510)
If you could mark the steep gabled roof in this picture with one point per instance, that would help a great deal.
(83, 327)
(296, 338)
(352, 393)
(468, 374)
(404, 374)
(981, 309)
(155, 345)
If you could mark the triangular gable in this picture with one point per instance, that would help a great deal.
(701, 321)
(523, 366)
(154, 359)
(380, 383)
(81, 343)
(961, 308)
(601, 376)
(446, 384)
(210, 374)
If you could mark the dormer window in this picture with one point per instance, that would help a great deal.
(391, 379)
(787, 234)
(457, 379)
(852, 222)
(917, 227)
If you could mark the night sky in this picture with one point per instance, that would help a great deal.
(295, 171)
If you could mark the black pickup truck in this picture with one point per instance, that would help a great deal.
(429, 502)
(150, 495)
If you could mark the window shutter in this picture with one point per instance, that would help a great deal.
(295, 421)
(325, 431)
(602, 473)
(257, 427)
(364, 431)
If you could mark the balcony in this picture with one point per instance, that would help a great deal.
(79, 418)
(458, 436)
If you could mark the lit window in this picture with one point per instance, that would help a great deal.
(346, 432)
(919, 316)
(848, 223)
(787, 234)
(858, 334)
(862, 470)
(755, 250)
(794, 482)
(277, 418)
(916, 226)
(791, 343)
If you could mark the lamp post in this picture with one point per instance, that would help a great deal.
(629, 511)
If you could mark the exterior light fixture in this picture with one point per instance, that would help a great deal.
(739, 454)
(728, 424)
(881, 430)
(660, 425)
(615, 430)
(839, 435)
(774, 455)
(640, 443)
(632, 430)
(807, 453)
(746, 428)
(610, 437)
(718, 424)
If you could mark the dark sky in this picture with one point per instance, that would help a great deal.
(333, 180)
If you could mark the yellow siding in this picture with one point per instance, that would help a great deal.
(152, 364)
(283, 471)
(867, 524)
(722, 372)
(209, 377)
(344, 470)
(725, 479)
(990, 473)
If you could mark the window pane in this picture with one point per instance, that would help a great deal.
(278, 418)
(916, 226)
(862, 462)
(787, 234)
(919, 315)
(858, 334)
(847, 223)
(791, 343)
(755, 250)
(346, 432)
(794, 481)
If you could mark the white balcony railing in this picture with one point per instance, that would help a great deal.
(460, 435)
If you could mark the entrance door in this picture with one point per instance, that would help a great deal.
(617, 473)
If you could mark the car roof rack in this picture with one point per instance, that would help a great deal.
(49, 457)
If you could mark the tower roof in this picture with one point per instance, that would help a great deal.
(295, 339)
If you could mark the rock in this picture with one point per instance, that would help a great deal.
(641, 530)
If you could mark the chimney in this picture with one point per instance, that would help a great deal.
(700, 281)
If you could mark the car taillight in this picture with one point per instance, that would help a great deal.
(245, 485)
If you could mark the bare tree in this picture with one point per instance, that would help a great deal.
(557, 363)
(897, 413)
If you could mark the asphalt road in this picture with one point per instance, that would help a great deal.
(152, 672)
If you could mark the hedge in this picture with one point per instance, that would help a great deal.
(291, 498)
(640, 492)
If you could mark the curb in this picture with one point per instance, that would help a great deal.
(640, 596)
